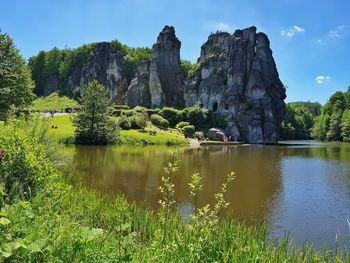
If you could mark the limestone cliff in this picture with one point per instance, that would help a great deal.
(165, 75)
(138, 93)
(105, 65)
(237, 78)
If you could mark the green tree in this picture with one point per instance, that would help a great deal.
(188, 68)
(333, 123)
(333, 133)
(298, 121)
(345, 125)
(93, 124)
(37, 66)
(16, 86)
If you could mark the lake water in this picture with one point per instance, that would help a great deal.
(301, 187)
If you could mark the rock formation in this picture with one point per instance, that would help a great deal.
(166, 76)
(107, 67)
(138, 93)
(238, 79)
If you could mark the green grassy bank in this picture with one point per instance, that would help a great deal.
(65, 133)
(53, 102)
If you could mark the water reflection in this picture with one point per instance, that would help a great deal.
(300, 187)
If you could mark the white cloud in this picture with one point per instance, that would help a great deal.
(219, 26)
(322, 79)
(222, 26)
(337, 32)
(292, 31)
(333, 35)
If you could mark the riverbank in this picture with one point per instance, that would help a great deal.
(58, 222)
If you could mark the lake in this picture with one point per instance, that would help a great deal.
(300, 187)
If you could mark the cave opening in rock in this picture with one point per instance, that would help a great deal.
(215, 106)
(226, 106)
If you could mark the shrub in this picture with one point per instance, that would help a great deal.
(188, 130)
(152, 111)
(173, 116)
(124, 123)
(159, 121)
(199, 134)
(137, 121)
(24, 167)
(196, 116)
(182, 124)
(71, 109)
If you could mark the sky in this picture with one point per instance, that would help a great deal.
(309, 39)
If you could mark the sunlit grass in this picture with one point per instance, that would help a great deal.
(144, 137)
(52, 102)
(65, 133)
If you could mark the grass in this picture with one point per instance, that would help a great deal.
(143, 137)
(52, 102)
(65, 133)
(65, 129)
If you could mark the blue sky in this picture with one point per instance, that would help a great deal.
(310, 39)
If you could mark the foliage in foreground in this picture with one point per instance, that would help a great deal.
(93, 124)
(60, 223)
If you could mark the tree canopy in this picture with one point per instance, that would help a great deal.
(333, 124)
(299, 120)
(59, 64)
(16, 86)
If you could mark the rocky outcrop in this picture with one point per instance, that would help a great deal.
(159, 83)
(138, 93)
(166, 75)
(105, 65)
(238, 79)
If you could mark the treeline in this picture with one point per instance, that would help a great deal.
(58, 64)
(299, 120)
(333, 124)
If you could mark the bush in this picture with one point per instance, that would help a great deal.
(188, 130)
(182, 124)
(71, 109)
(138, 121)
(124, 123)
(132, 122)
(199, 134)
(159, 121)
(152, 111)
(196, 116)
(25, 167)
(173, 116)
